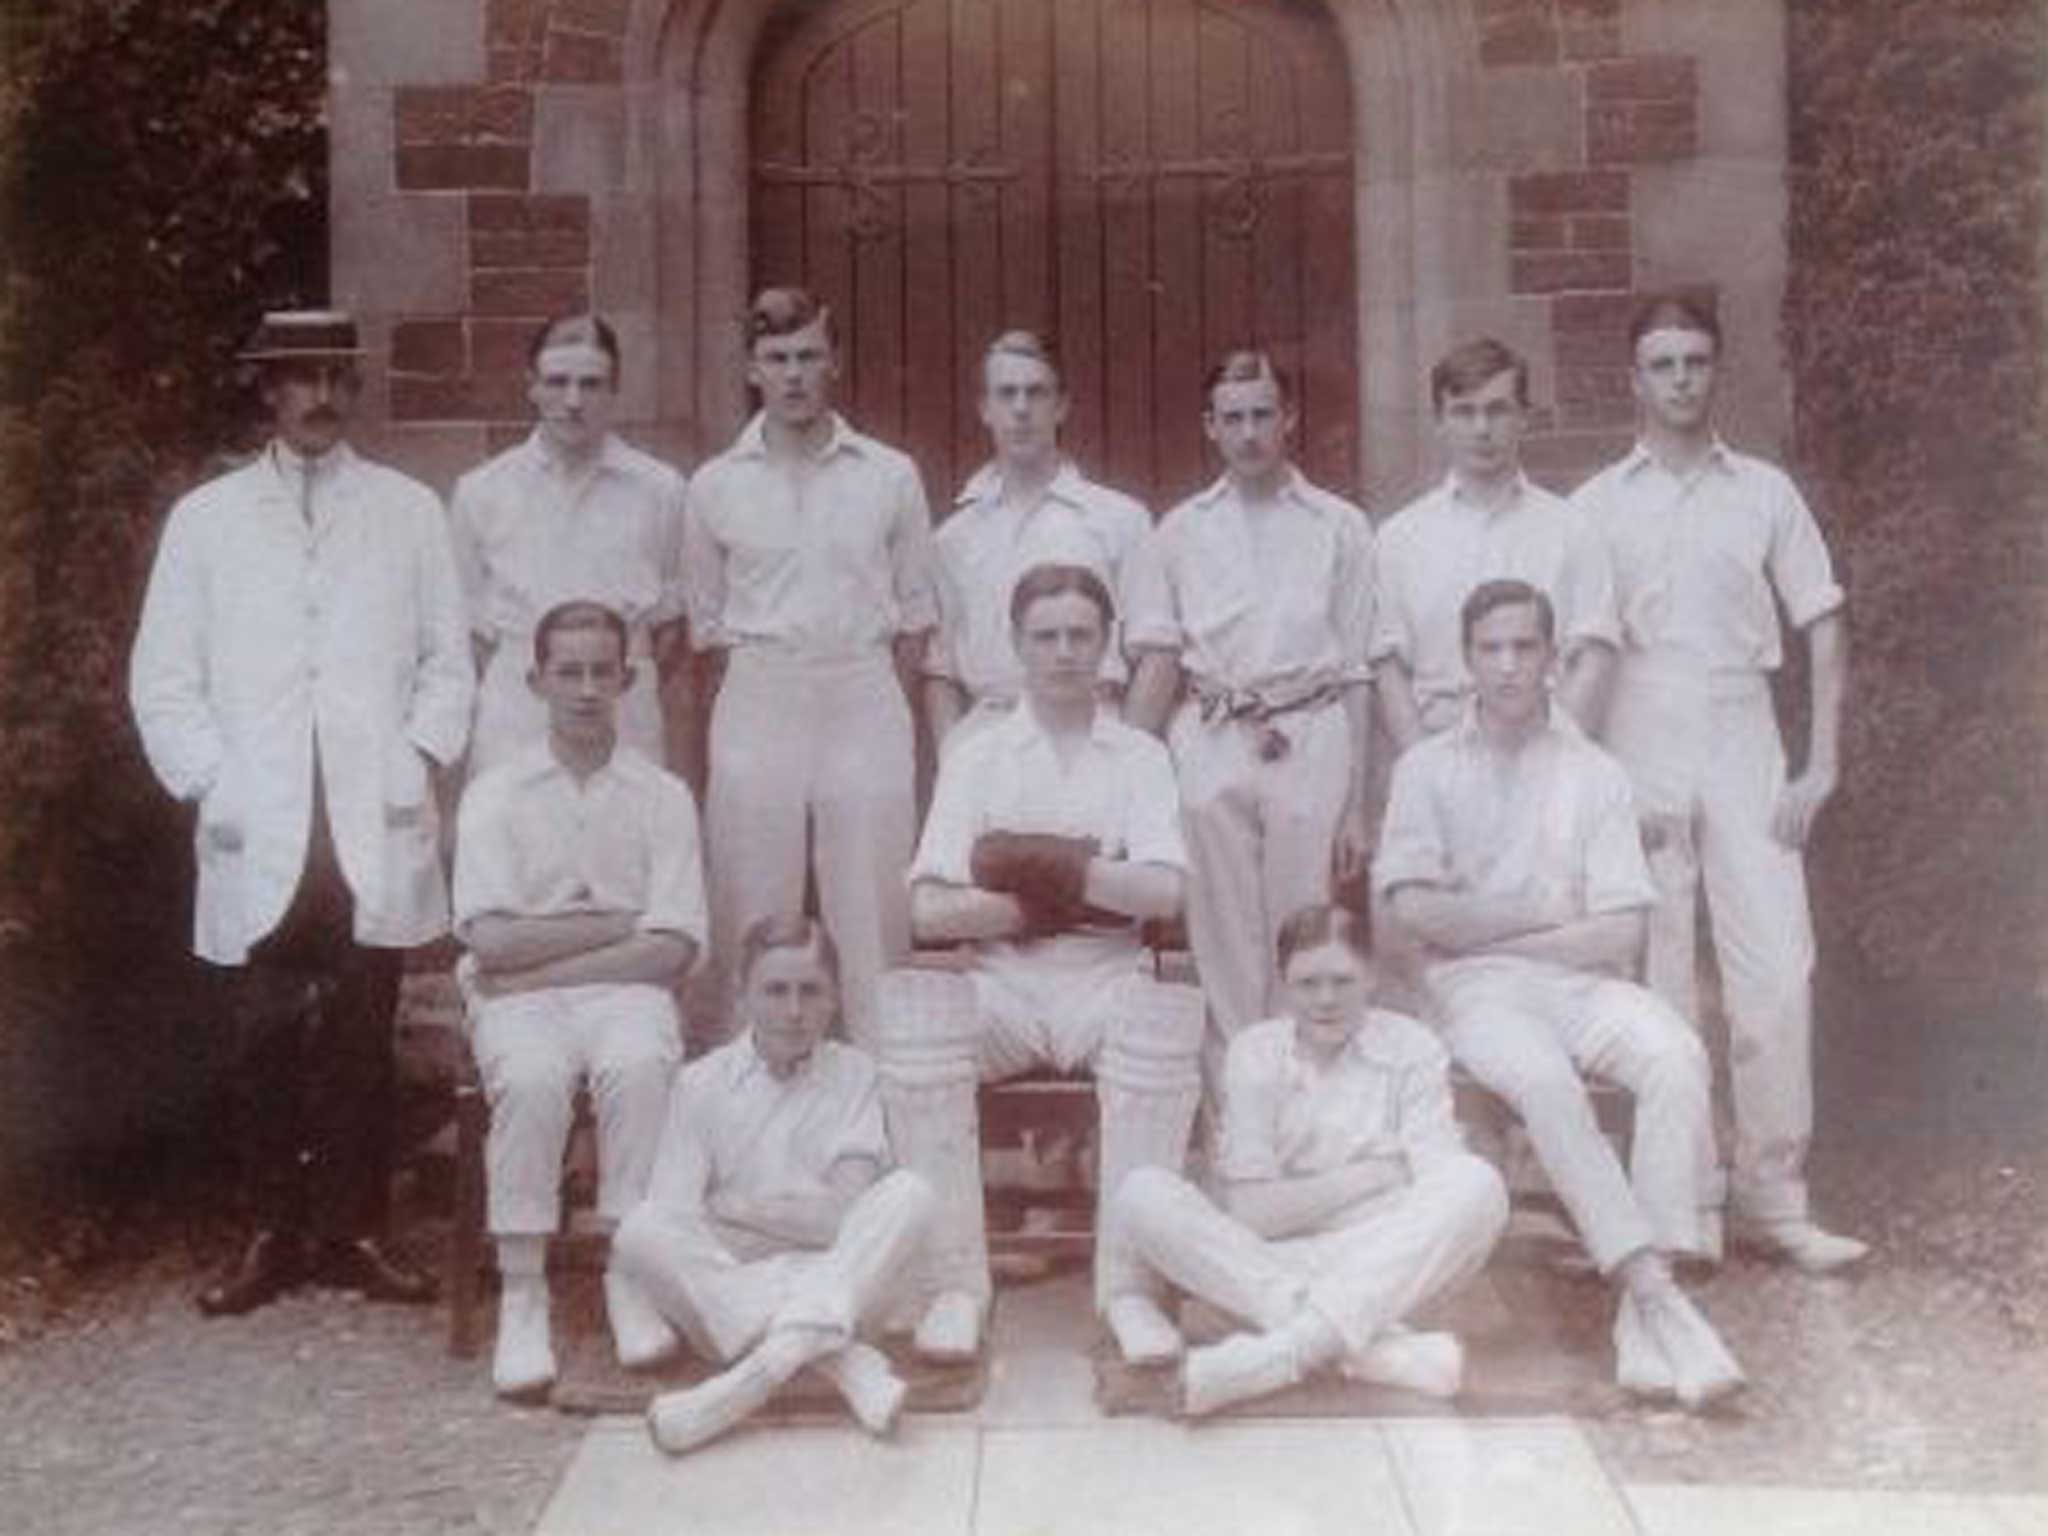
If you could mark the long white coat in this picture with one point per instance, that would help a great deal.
(255, 631)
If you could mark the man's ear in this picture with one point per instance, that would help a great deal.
(626, 673)
(533, 680)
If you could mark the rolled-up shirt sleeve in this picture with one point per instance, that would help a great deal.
(1411, 850)
(1153, 809)
(1617, 875)
(945, 851)
(1251, 1115)
(1353, 596)
(1428, 1119)
(861, 1135)
(910, 554)
(674, 599)
(703, 573)
(486, 870)
(1151, 614)
(681, 1180)
(1800, 568)
(675, 875)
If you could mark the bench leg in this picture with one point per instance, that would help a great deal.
(465, 1249)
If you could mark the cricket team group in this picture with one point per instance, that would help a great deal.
(1534, 730)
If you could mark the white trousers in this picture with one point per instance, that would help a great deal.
(1368, 1267)
(1527, 1030)
(531, 1050)
(811, 770)
(1259, 836)
(1708, 766)
(726, 1287)
(937, 1045)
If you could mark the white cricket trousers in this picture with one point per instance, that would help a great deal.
(726, 1287)
(811, 769)
(531, 1050)
(1259, 836)
(1708, 767)
(1527, 1030)
(1370, 1266)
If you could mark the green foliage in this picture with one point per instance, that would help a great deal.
(163, 182)
(1914, 324)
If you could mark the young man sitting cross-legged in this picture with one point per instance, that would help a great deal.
(579, 893)
(772, 1230)
(1348, 1198)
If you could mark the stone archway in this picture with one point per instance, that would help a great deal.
(696, 67)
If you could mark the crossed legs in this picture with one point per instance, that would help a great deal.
(771, 1311)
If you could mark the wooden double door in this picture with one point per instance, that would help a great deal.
(1151, 182)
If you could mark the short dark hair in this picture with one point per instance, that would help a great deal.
(787, 930)
(577, 613)
(1247, 365)
(1476, 363)
(1025, 344)
(1054, 580)
(1682, 309)
(783, 311)
(587, 327)
(1324, 923)
(1506, 592)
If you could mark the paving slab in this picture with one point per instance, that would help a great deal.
(1533, 1478)
(1137, 1477)
(1672, 1509)
(793, 1480)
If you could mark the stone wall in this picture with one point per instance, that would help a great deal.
(1526, 167)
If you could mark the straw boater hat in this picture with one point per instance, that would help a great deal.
(286, 334)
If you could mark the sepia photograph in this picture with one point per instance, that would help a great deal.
(1024, 767)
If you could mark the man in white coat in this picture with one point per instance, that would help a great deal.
(300, 671)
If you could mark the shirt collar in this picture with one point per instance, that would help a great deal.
(611, 453)
(1557, 721)
(1025, 729)
(1294, 487)
(1518, 492)
(752, 442)
(538, 761)
(753, 1064)
(984, 488)
(291, 466)
(1372, 1043)
(1719, 456)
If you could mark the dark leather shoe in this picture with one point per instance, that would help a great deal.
(365, 1265)
(268, 1267)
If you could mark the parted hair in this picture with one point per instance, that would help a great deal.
(1026, 344)
(1506, 592)
(1466, 368)
(787, 930)
(1055, 580)
(781, 311)
(1674, 309)
(577, 613)
(1325, 923)
(589, 329)
(1247, 365)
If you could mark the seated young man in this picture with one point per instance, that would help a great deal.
(772, 1231)
(1510, 851)
(1348, 1198)
(1052, 833)
(579, 893)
